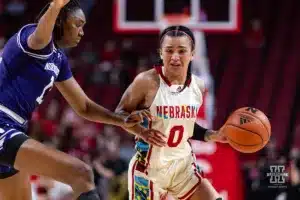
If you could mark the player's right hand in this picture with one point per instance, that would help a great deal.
(154, 137)
(60, 3)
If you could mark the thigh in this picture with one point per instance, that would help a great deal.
(16, 187)
(140, 187)
(36, 158)
(187, 177)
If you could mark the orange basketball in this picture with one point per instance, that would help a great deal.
(247, 129)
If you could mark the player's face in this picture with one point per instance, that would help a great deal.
(176, 53)
(73, 28)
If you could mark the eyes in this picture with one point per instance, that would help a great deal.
(171, 51)
(79, 24)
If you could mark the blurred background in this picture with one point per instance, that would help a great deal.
(247, 53)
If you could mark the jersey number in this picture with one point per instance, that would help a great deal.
(47, 88)
(176, 131)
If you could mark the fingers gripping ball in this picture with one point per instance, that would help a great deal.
(247, 129)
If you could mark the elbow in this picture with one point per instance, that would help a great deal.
(83, 109)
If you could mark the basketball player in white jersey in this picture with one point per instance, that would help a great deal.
(173, 96)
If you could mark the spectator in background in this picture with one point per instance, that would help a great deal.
(88, 55)
(109, 52)
(255, 37)
(142, 65)
(128, 54)
(102, 72)
(109, 165)
(119, 75)
(14, 11)
(293, 190)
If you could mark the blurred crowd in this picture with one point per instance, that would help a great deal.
(105, 74)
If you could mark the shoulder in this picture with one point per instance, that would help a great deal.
(22, 42)
(199, 83)
(147, 78)
(27, 29)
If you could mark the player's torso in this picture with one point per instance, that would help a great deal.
(176, 114)
(24, 80)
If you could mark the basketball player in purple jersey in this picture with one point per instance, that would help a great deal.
(31, 62)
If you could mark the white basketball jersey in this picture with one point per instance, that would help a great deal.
(176, 113)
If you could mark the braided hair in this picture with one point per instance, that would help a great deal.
(178, 31)
(70, 7)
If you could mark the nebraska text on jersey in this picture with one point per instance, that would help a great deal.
(183, 111)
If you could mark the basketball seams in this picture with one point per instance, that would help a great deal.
(253, 115)
(248, 145)
(246, 131)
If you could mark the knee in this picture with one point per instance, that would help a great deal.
(86, 172)
(83, 175)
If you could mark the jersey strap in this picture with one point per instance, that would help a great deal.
(158, 69)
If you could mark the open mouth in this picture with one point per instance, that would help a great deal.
(175, 64)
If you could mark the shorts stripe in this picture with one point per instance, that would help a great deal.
(3, 137)
(193, 190)
(151, 191)
(150, 150)
(5, 133)
(132, 181)
(14, 134)
(8, 135)
(142, 187)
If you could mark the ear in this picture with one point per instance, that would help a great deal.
(160, 54)
(193, 53)
(58, 22)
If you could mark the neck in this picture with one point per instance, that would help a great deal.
(59, 44)
(175, 79)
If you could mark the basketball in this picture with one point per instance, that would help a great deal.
(247, 129)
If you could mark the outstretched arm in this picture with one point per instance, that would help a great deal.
(42, 35)
(84, 106)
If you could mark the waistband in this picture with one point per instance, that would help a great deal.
(13, 115)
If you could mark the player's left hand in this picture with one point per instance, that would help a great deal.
(216, 136)
(137, 117)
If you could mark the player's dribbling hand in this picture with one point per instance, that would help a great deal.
(154, 137)
(137, 117)
(60, 3)
(216, 136)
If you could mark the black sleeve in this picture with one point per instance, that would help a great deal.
(199, 133)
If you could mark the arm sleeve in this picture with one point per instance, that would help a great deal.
(22, 37)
